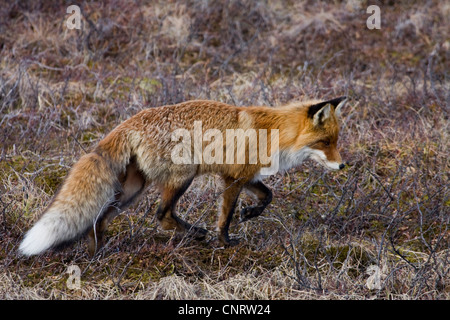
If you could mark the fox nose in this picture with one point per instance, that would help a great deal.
(341, 166)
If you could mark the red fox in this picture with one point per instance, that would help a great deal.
(144, 151)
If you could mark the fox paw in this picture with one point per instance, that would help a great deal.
(250, 212)
(226, 241)
(232, 242)
(198, 233)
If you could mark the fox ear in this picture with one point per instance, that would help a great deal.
(337, 103)
(322, 115)
(337, 110)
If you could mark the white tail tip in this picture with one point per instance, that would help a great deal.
(37, 240)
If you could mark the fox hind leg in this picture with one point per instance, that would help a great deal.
(96, 235)
(132, 184)
(166, 213)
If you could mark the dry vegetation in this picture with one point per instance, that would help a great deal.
(325, 234)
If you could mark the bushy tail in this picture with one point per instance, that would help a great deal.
(86, 192)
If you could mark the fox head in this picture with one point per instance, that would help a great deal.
(323, 130)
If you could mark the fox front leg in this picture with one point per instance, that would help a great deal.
(264, 195)
(229, 198)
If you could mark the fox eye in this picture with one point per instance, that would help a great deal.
(326, 142)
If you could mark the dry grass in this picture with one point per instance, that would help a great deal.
(324, 235)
